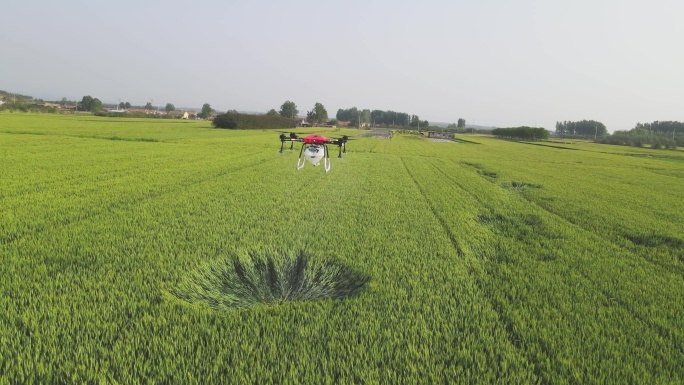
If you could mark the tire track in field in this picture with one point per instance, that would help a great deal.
(513, 337)
(447, 231)
(661, 265)
(666, 268)
(509, 324)
(8, 240)
(609, 297)
(612, 297)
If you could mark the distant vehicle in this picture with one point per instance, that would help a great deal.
(314, 148)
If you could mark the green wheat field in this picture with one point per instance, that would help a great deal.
(157, 251)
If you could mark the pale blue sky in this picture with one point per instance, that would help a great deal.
(500, 63)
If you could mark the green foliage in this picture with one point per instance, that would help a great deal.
(169, 107)
(272, 112)
(236, 120)
(379, 118)
(20, 105)
(138, 115)
(487, 265)
(206, 111)
(526, 133)
(664, 127)
(657, 135)
(641, 137)
(289, 110)
(317, 115)
(416, 122)
(583, 128)
(88, 103)
(348, 115)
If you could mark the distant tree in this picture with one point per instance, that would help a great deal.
(236, 120)
(461, 123)
(311, 117)
(524, 132)
(272, 112)
(20, 105)
(88, 103)
(416, 122)
(127, 105)
(659, 135)
(365, 116)
(582, 127)
(170, 107)
(317, 114)
(206, 111)
(121, 105)
(97, 105)
(148, 106)
(348, 115)
(289, 110)
(377, 117)
(662, 126)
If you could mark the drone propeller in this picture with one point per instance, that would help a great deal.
(344, 138)
(341, 143)
(284, 138)
(293, 135)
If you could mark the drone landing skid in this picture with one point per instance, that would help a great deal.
(314, 153)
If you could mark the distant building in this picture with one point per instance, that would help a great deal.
(440, 135)
(302, 123)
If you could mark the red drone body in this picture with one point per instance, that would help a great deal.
(315, 139)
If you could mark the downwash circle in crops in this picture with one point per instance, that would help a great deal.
(266, 280)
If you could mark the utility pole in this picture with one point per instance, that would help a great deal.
(596, 131)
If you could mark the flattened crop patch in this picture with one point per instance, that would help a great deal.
(235, 282)
(654, 240)
(519, 186)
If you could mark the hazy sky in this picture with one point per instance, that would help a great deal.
(493, 62)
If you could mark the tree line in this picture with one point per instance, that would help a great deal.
(318, 114)
(461, 124)
(663, 127)
(581, 128)
(523, 132)
(387, 118)
(236, 120)
(657, 135)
